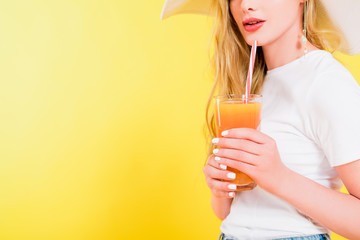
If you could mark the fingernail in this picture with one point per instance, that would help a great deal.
(217, 158)
(231, 194)
(222, 166)
(231, 175)
(215, 151)
(224, 133)
(232, 186)
(215, 140)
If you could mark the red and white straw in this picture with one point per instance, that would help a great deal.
(250, 72)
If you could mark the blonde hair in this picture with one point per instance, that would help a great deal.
(231, 56)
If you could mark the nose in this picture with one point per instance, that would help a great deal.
(247, 5)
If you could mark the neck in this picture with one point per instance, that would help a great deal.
(285, 49)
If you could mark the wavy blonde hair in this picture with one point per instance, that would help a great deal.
(231, 55)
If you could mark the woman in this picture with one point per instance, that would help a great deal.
(310, 134)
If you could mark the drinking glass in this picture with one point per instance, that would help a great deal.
(237, 111)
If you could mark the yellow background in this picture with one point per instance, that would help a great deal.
(102, 109)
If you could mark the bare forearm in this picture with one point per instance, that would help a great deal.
(337, 211)
(221, 206)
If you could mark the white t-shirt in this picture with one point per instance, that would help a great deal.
(311, 107)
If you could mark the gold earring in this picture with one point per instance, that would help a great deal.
(303, 37)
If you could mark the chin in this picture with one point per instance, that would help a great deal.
(249, 41)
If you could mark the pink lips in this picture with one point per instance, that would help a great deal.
(255, 24)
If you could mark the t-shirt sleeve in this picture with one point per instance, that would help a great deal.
(334, 103)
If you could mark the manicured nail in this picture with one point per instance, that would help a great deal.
(224, 133)
(222, 166)
(215, 151)
(217, 158)
(231, 194)
(215, 140)
(231, 175)
(232, 186)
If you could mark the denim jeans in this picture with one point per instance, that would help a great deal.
(312, 237)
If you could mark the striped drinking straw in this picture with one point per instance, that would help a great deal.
(250, 71)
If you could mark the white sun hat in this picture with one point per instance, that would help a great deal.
(344, 15)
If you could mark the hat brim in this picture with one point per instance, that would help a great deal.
(173, 7)
(343, 15)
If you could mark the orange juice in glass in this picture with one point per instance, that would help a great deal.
(233, 112)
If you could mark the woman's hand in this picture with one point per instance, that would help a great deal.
(253, 153)
(215, 173)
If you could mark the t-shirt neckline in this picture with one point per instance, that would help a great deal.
(294, 62)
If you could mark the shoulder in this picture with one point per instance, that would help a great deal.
(326, 68)
(331, 103)
(330, 81)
